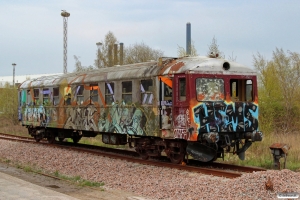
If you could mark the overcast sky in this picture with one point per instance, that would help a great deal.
(31, 32)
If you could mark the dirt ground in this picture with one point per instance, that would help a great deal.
(71, 189)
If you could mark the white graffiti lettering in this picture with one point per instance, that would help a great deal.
(181, 133)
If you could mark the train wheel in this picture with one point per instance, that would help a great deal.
(176, 158)
(76, 139)
(37, 139)
(144, 156)
(51, 139)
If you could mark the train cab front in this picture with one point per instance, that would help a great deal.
(224, 112)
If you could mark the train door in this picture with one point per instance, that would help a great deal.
(166, 101)
(181, 116)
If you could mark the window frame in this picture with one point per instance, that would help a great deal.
(181, 89)
(55, 96)
(210, 78)
(46, 96)
(127, 92)
(94, 97)
(109, 92)
(79, 95)
(146, 92)
(36, 95)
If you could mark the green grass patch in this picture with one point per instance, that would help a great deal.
(78, 180)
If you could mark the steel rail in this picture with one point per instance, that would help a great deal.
(225, 170)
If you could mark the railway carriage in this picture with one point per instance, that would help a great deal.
(198, 106)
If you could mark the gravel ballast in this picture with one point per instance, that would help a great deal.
(150, 181)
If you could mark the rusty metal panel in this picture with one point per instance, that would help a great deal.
(281, 146)
(202, 64)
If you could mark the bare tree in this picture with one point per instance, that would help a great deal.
(140, 53)
(133, 54)
(213, 48)
(181, 52)
(79, 67)
(109, 41)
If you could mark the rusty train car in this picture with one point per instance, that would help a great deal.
(197, 106)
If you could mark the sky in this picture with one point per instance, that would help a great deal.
(31, 33)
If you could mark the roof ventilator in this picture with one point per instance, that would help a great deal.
(226, 65)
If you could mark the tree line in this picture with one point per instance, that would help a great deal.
(136, 53)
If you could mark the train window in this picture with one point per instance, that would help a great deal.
(167, 92)
(55, 96)
(127, 92)
(36, 94)
(146, 91)
(249, 90)
(182, 89)
(67, 95)
(210, 89)
(109, 93)
(79, 94)
(28, 97)
(94, 92)
(46, 95)
(241, 90)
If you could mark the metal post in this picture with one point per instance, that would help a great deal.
(14, 64)
(99, 44)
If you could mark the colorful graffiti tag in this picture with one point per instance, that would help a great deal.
(226, 117)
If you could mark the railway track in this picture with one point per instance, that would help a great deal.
(215, 169)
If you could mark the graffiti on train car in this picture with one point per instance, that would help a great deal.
(131, 119)
(226, 117)
(182, 123)
(81, 118)
(40, 116)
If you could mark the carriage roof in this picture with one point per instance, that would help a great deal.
(163, 67)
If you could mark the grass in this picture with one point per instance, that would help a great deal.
(259, 153)
(78, 180)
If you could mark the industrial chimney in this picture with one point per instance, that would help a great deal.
(121, 53)
(188, 39)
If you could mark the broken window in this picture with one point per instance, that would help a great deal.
(94, 92)
(127, 92)
(146, 91)
(210, 89)
(167, 92)
(241, 90)
(109, 93)
(79, 94)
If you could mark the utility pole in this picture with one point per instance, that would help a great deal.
(65, 16)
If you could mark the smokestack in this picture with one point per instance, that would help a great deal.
(121, 53)
(188, 39)
(110, 47)
(115, 54)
